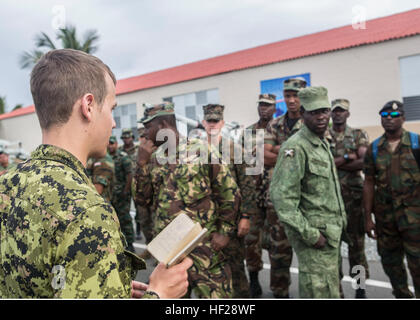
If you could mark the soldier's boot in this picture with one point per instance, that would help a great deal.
(255, 289)
(130, 248)
(138, 232)
(360, 294)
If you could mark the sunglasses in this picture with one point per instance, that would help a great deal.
(393, 114)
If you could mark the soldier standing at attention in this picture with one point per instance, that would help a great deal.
(131, 149)
(101, 171)
(121, 193)
(235, 250)
(348, 148)
(278, 131)
(392, 193)
(59, 237)
(254, 240)
(305, 191)
(183, 182)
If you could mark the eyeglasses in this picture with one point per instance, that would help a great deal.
(393, 114)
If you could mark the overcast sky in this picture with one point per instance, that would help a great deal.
(140, 36)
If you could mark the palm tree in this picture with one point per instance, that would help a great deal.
(68, 39)
(2, 105)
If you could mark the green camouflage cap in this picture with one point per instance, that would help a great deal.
(213, 112)
(157, 110)
(127, 133)
(340, 103)
(314, 98)
(112, 139)
(294, 84)
(267, 98)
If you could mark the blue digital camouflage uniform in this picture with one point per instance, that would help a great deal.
(52, 218)
(306, 195)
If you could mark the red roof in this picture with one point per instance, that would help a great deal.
(396, 26)
(378, 30)
(18, 112)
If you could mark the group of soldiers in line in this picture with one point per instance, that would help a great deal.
(310, 196)
(257, 224)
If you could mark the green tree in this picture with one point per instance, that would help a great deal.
(2, 105)
(68, 39)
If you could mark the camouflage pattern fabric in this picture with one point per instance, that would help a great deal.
(253, 239)
(306, 194)
(52, 218)
(235, 250)
(397, 211)
(157, 110)
(145, 218)
(213, 112)
(278, 131)
(205, 192)
(121, 200)
(294, 84)
(352, 192)
(101, 171)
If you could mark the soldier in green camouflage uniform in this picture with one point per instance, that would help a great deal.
(305, 191)
(278, 131)
(121, 193)
(204, 191)
(101, 171)
(392, 193)
(131, 149)
(59, 238)
(348, 148)
(259, 226)
(144, 218)
(235, 250)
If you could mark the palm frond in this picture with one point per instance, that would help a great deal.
(29, 59)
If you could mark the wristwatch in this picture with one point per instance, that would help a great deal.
(346, 157)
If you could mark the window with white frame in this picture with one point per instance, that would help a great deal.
(410, 86)
(190, 105)
(125, 116)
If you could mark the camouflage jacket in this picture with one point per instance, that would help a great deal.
(123, 166)
(132, 152)
(101, 172)
(349, 142)
(52, 219)
(305, 189)
(396, 175)
(246, 183)
(278, 131)
(206, 192)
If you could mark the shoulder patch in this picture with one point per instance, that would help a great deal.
(289, 153)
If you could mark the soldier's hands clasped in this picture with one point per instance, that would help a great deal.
(322, 241)
(145, 151)
(218, 241)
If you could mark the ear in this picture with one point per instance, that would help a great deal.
(87, 106)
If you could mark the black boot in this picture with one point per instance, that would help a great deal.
(254, 285)
(130, 248)
(138, 234)
(360, 294)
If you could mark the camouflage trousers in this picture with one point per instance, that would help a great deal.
(398, 234)
(144, 218)
(235, 254)
(210, 276)
(355, 230)
(318, 268)
(121, 205)
(279, 250)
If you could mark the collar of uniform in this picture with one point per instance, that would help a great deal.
(347, 131)
(49, 152)
(405, 139)
(312, 137)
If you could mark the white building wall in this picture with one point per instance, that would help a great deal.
(368, 76)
